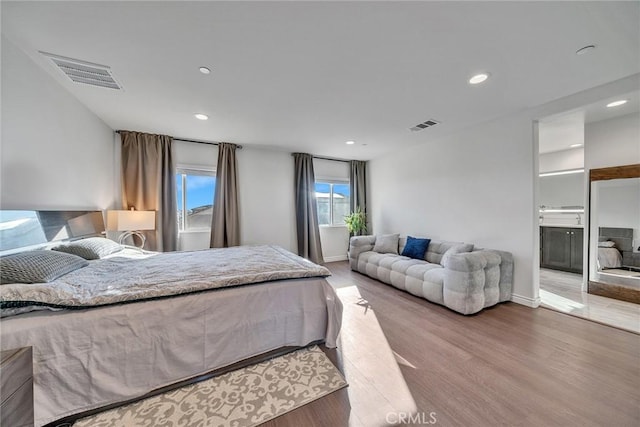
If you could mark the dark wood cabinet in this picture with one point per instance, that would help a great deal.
(561, 248)
(577, 244)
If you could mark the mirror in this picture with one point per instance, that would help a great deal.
(562, 189)
(614, 233)
(561, 198)
(20, 229)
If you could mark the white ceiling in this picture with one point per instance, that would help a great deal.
(307, 76)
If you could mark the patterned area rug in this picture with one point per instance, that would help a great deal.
(246, 397)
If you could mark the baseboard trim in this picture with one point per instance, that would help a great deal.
(529, 302)
(336, 258)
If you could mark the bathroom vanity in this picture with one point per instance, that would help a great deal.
(561, 247)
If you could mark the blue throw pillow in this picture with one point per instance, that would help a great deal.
(415, 247)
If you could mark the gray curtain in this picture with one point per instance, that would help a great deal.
(306, 209)
(358, 185)
(148, 184)
(225, 223)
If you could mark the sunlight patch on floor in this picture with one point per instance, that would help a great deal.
(559, 303)
(376, 384)
(404, 362)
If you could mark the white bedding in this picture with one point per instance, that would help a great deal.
(609, 258)
(88, 358)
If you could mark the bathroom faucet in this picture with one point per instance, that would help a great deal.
(579, 219)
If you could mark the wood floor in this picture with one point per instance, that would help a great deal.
(562, 291)
(409, 360)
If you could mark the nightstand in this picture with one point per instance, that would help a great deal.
(16, 387)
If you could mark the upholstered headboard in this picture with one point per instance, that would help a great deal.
(623, 237)
(20, 229)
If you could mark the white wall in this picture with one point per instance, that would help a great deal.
(477, 185)
(613, 142)
(619, 204)
(562, 190)
(267, 207)
(335, 243)
(54, 153)
(199, 155)
(562, 160)
(331, 170)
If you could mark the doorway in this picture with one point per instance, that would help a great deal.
(564, 156)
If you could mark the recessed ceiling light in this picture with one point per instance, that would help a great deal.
(585, 49)
(478, 78)
(350, 142)
(616, 103)
(201, 116)
(576, 145)
(205, 70)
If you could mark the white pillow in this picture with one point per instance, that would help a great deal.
(607, 244)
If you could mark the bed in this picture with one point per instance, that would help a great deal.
(612, 244)
(609, 256)
(131, 322)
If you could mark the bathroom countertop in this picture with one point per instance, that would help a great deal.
(563, 225)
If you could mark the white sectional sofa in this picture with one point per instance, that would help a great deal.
(452, 274)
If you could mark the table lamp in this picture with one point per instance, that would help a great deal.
(131, 222)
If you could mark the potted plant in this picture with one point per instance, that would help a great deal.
(356, 222)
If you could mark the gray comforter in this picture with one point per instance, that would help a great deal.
(120, 279)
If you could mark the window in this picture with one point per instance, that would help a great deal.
(333, 202)
(194, 193)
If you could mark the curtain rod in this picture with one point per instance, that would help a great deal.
(333, 159)
(195, 141)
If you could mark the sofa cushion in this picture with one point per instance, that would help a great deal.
(437, 249)
(425, 280)
(398, 276)
(415, 247)
(387, 244)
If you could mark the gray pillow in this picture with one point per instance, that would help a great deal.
(91, 248)
(38, 266)
(387, 244)
(457, 249)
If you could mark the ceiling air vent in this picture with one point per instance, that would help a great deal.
(85, 72)
(424, 125)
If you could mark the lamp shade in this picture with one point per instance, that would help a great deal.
(131, 220)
